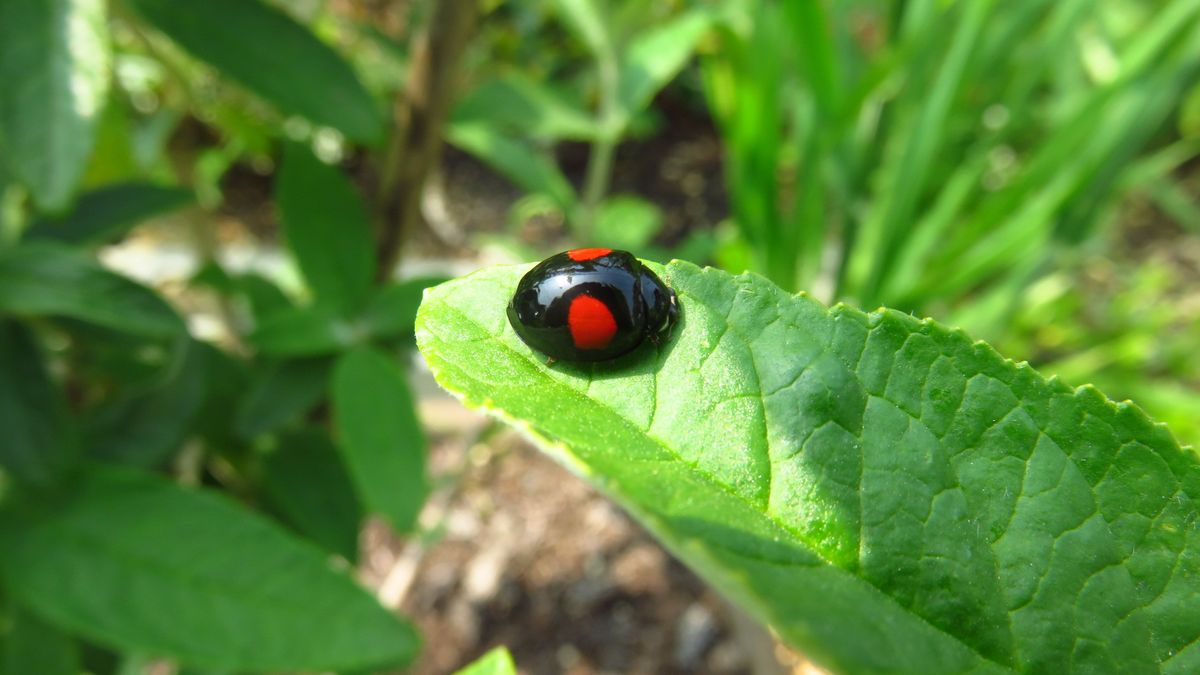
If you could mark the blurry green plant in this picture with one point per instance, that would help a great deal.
(934, 155)
(512, 117)
(116, 424)
(1128, 328)
(942, 157)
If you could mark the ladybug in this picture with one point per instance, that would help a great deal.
(591, 304)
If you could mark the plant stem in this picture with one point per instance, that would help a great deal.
(419, 113)
(600, 160)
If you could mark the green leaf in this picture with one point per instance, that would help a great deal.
(280, 393)
(392, 312)
(379, 435)
(525, 167)
(585, 19)
(303, 331)
(145, 428)
(105, 214)
(1189, 113)
(627, 222)
(656, 56)
(140, 564)
(496, 662)
(261, 295)
(226, 379)
(36, 434)
(264, 297)
(886, 492)
(32, 647)
(44, 279)
(305, 481)
(327, 229)
(54, 63)
(525, 106)
(273, 56)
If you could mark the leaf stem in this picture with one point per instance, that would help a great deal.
(600, 160)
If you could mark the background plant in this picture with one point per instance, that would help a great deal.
(943, 150)
(1025, 169)
(297, 406)
(515, 113)
(937, 157)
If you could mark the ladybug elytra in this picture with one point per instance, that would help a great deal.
(591, 304)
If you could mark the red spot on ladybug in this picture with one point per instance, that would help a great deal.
(581, 254)
(591, 322)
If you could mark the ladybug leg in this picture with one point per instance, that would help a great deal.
(550, 360)
(664, 332)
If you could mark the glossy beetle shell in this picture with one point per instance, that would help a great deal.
(591, 305)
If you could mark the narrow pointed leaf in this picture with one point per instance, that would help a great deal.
(139, 564)
(887, 493)
(517, 161)
(655, 57)
(273, 56)
(54, 65)
(327, 229)
(379, 435)
(305, 481)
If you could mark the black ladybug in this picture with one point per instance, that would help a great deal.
(591, 304)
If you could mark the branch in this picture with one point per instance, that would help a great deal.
(419, 114)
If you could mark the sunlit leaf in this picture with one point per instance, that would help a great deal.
(496, 662)
(887, 493)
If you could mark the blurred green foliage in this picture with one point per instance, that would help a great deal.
(109, 121)
(957, 158)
